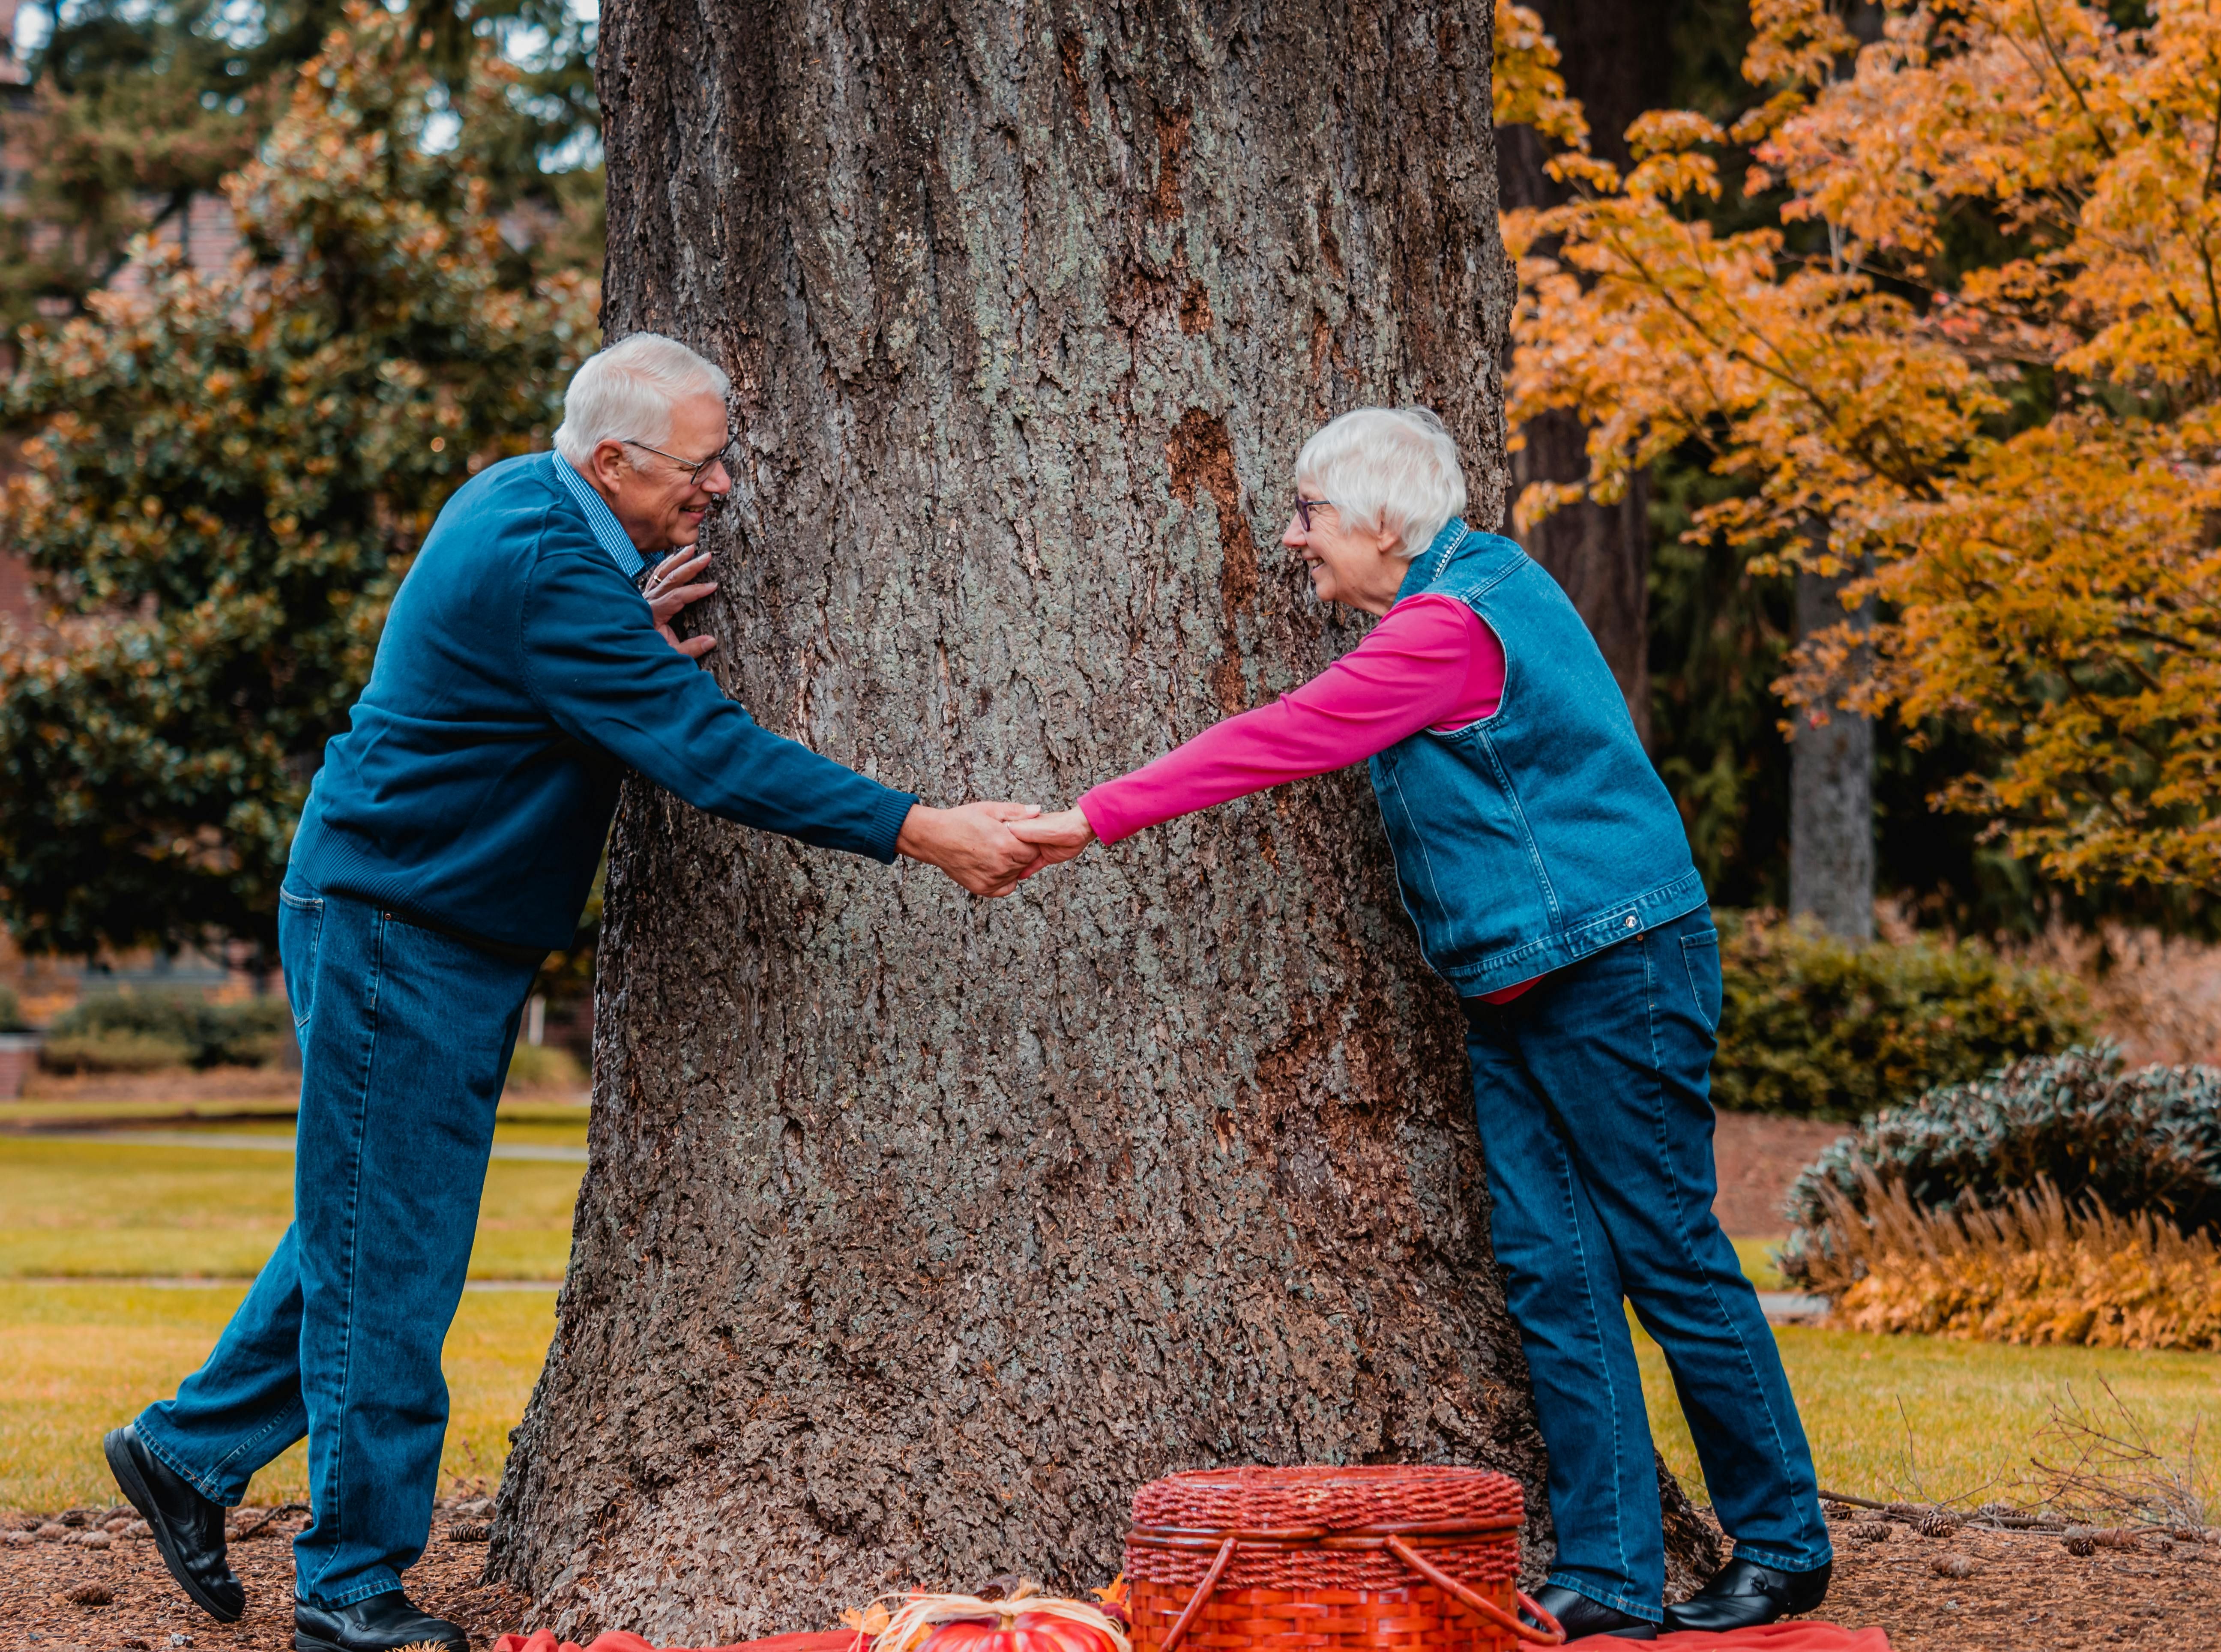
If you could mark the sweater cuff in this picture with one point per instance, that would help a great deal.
(1103, 819)
(887, 819)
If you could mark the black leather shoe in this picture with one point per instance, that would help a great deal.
(1743, 1593)
(378, 1624)
(1577, 1615)
(188, 1527)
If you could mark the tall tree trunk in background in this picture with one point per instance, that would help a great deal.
(1617, 58)
(920, 1231)
(1831, 837)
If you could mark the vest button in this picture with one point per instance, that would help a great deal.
(1630, 920)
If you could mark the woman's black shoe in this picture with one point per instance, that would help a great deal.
(378, 1624)
(188, 1527)
(1744, 1593)
(1577, 1615)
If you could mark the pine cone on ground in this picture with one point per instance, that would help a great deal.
(1935, 1524)
(2079, 1542)
(1869, 1531)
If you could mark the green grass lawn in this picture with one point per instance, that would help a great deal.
(1756, 1256)
(1974, 1409)
(130, 1210)
(83, 1348)
(78, 1359)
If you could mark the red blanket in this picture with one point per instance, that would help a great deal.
(618, 1640)
(1773, 1638)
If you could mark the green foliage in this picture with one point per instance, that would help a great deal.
(121, 1052)
(1813, 1026)
(229, 477)
(11, 1009)
(143, 1032)
(1719, 635)
(2145, 1143)
(137, 107)
(545, 1066)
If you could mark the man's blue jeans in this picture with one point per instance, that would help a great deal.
(1593, 1094)
(405, 1038)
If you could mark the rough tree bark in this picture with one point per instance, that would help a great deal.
(920, 1231)
(1831, 838)
(1616, 56)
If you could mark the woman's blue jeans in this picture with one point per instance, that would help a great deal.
(1593, 1094)
(405, 1038)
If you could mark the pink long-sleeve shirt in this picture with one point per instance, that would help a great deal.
(1429, 664)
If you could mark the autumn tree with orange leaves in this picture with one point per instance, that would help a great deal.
(2009, 459)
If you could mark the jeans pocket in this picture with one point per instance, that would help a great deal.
(1700, 957)
(300, 931)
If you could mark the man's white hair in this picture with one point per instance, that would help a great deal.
(625, 393)
(1387, 467)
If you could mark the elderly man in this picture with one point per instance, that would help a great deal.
(446, 847)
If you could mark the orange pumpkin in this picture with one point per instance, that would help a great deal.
(1026, 1632)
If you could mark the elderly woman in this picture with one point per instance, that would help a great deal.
(1548, 876)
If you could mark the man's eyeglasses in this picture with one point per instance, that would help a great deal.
(694, 472)
(1305, 506)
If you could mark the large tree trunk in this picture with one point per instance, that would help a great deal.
(1616, 56)
(920, 1231)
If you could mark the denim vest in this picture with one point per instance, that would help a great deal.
(1540, 834)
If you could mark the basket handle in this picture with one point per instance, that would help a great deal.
(1202, 1594)
(1552, 1633)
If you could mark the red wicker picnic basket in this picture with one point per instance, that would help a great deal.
(1369, 1559)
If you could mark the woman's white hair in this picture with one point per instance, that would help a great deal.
(625, 393)
(1387, 467)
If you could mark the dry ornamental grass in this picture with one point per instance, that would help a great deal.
(2032, 1271)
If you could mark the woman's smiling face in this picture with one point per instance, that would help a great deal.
(1355, 567)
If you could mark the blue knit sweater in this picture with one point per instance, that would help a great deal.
(519, 675)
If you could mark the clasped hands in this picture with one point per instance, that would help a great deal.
(993, 847)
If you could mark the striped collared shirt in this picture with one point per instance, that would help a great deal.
(609, 533)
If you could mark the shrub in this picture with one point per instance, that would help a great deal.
(254, 1032)
(122, 1032)
(11, 1011)
(1812, 1025)
(2146, 1142)
(545, 1066)
(113, 1052)
(2031, 1271)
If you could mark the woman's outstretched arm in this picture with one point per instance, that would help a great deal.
(1431, 663)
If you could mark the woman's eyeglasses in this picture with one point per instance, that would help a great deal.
(1305, 506)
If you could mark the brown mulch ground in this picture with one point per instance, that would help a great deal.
(2024, 1591)
(1758, 1158)
(148, 1612)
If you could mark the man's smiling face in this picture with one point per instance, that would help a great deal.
(653, 490)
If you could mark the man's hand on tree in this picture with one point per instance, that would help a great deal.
(667, 592)
(972, 844)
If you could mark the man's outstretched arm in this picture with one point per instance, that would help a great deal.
(595, 662)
